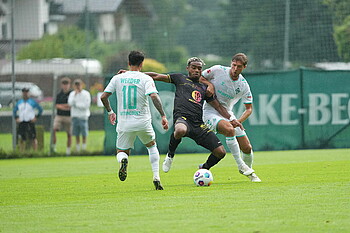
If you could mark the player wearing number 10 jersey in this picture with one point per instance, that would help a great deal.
(134, 118)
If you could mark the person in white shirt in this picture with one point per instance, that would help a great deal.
(80, 100)
(132, 89)
(229, 86)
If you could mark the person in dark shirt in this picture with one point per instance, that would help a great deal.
(62, 118)
(190, 95)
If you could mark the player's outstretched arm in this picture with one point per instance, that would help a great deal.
(248, 111)
(111, 115)
(159, 77)
(121, 71)
(223, 112)
(158, 105)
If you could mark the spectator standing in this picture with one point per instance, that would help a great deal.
(62, 118)
(26, 116)
(80, 100)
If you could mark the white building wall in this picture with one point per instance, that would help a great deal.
(6, 21)
(106, 28)
(30, 18)
(125, 30)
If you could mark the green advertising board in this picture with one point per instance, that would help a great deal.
(295, 109)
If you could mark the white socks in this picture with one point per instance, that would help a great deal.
(154, 160)
(248, 159)
(77, 146)
(234, 148)
(82, 147)
(121, 155)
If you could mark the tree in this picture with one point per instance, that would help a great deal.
(342, 38)
(68, 42)
(340, 11)
(47, 47)
(159, 36)
(258, 29)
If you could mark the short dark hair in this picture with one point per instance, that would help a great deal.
(78, 81)
(65, 80)
(136, 58)
(240, 57)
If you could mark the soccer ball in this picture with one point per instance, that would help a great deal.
(203, 177)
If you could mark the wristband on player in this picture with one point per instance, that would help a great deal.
(232, 118)
(110, 112)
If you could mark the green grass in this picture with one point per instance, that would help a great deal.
(302, 191)
(95, 141)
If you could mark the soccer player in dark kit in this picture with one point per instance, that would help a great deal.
(190, 95)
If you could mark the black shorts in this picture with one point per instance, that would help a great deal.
(201, 134)
(26, 130)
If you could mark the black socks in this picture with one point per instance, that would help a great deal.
(173, 145)
(211, 161)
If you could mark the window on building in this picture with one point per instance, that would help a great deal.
(45, 27)
(4, 30)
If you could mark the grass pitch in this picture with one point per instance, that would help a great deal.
(302, 191)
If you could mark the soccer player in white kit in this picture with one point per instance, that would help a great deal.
(230, 86)
(134, 117)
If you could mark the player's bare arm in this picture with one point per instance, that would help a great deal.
(210, 88)
(158, 105)
(215, 104)
(223, 112)
(111, 115)
(248, 111)
(159, 77)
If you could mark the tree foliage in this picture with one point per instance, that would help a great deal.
(154, 66)
(342, 38)
(45, 48)
(341, 19)
(68, 42)
(340, 10)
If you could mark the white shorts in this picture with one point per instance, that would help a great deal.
(126, 139)
(212, 120)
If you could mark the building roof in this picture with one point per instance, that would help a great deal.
(100, 6)
(144, 7)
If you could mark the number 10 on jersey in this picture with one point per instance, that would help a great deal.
(129, 97)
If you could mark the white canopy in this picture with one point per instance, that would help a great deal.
(58, 66)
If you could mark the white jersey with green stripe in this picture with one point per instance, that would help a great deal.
(228, 91)
(132, 89)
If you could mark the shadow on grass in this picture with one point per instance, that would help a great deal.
(42, 154)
